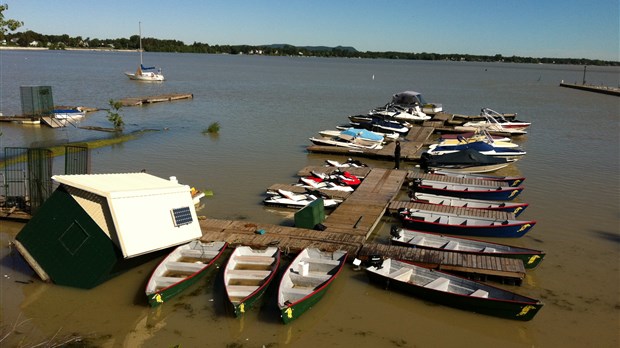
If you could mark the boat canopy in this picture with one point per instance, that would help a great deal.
(361, 133)
(147, 67)
(469, 156)
(408, 98)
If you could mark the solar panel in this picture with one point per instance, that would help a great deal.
(182, 216)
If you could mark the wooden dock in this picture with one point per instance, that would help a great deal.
(353, 221)
(591, 88)
(138, 101)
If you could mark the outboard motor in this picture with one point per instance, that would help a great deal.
(375, 261)
(395, 231)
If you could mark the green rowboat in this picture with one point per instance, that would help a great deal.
(307, 279)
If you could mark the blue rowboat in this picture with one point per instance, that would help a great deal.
(471, 191)
(461, 225)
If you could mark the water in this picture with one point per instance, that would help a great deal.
(268, 107)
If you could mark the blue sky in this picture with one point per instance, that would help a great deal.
(535, 28)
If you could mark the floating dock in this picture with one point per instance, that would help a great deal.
(350, 225)
(590, 88)
(138, 101)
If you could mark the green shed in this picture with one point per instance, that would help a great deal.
(94, 227)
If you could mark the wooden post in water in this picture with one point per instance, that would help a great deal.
(584, 74)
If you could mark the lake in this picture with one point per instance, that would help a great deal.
(267, 108)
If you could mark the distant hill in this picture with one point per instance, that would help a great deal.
(315, 48)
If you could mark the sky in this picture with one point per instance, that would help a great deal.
(526, 28)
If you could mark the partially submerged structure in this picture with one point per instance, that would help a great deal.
(93, 227)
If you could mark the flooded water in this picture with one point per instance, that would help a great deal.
(267, 108)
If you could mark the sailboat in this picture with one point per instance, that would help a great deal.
(144, 73)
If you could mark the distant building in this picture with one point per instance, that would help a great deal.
(34, 43)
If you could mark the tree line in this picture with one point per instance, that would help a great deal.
(30, 38)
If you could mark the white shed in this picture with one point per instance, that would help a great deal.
(139, 212)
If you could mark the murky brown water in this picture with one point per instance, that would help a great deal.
(267, 108)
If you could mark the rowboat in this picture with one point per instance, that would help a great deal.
(183, 267)
(453, 291)
(471, 191)
(512, 181)
(433, 241)
(307, 279)
(247, 275)
(515, 208)
(463, 225)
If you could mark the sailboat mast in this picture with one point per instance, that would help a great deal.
(140, 35)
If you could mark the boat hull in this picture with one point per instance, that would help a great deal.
(177, 283)
(511, 230)
(499, 194)
(248, 273)
(516, 310)
(531, 258)
(307, 280)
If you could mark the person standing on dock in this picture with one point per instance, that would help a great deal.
(397, 155)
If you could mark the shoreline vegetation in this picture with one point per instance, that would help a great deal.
(30, 40)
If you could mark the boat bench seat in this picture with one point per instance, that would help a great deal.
(185, 266)
(480, 293)
(442, 220)
(166, 281)
(250, 259)
(440, 284)
(452, 245)
(299, 291)
(321, 261)
(489, 250)
(417, 240)
(204, 254)
(311, 280)
(403, 274)
(240, 290)
(247, 273)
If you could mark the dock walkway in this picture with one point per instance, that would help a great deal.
(138, 101)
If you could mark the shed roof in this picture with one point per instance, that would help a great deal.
(119, 184)
(144, 209)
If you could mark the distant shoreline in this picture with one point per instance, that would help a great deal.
(18, 48)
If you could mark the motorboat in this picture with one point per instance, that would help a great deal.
(469, 161)
(411, 98)
(480, 146)
(388, 136)
(69, 114)
(145, 73)
(352, 139)
(495, 122)
(359, 135)
(410, 114)
(377, 123)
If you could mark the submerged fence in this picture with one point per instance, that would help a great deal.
(27, 176)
